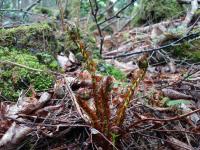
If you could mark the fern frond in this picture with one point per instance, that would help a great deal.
(142, 64)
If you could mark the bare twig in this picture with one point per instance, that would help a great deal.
(94, 12)
(184, 131)
(164, 120)
(30, 7)
(29, 68)
(117, 14)
(192, 26)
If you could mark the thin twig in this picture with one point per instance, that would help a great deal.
(184, 131)
(29, 68)
(117, 14)
(94, 12)
(164, 120)
(30, 7)
(192, 26)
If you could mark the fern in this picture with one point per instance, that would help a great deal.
(103, 117)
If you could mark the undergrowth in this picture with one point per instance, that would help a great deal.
(110, 70)
(104, 92)
(13, 78)
(153, 11)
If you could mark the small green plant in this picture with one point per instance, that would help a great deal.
(174, 103)
(187, 50)
(110, 70)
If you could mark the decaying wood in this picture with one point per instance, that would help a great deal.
(172, 94)
(187, 1)
(166, 24)
(190, 14)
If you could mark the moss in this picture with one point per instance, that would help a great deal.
(29, 37)
(43, 10)
(152, 11)
(13, 78)
(190, 51)
(107, 69)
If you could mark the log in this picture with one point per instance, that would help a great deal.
(35, 37)
(186, 1)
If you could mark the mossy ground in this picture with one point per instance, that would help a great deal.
(36, 37)
(13, 79)
(109, 70)
(43, 10)
(153, 11)
(187, 50)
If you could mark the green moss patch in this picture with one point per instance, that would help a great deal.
(43, 10)
(37, 37)
(13, 78)
(190, 51)
(107, 69)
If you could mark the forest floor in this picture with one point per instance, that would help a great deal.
(162, 111)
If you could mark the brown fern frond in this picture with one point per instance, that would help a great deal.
(97, 98)
(91, 114)
(75, 36)
(139, 75)
(105, 93)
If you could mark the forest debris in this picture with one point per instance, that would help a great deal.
(126, 67)
(59, 89)
(172, 94)
(172, 23)
(156, 32)
(122, 48)
(190, 14)
(27, 104)
(14, 135)
(186, 1)
(63, 61)
(172, 67)
(56, 109)
(108, 43)
(194, 117)
(72, 57)
(179, 145)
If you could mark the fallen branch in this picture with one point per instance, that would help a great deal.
(164, 120)
(150, 27)
(186, 1)
(117, 14)
(30, 7)
(190, 14)
(184, 38)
